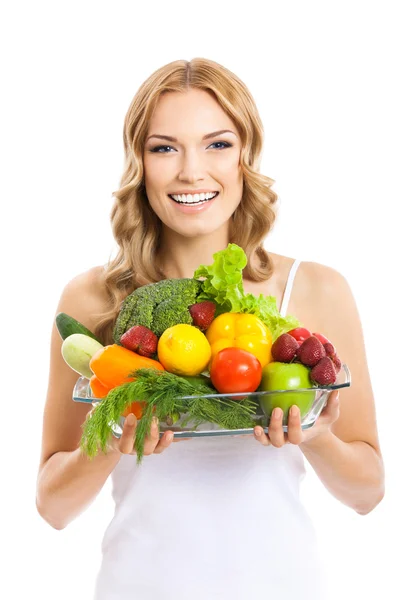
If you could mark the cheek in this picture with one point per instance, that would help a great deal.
(156, 173)
(156, 203)
(230, 169)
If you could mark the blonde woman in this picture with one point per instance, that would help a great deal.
(220, 517)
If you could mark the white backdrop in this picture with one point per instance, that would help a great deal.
(323, 75)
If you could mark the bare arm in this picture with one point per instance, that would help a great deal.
(342, 446)
(351, 471)
(347, 458)
(68, 481)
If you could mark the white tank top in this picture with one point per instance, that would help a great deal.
(213, 518)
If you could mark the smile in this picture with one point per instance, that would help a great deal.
(188, 199)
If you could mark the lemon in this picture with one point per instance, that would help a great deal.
(184, 350)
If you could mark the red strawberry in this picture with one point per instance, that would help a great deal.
(140, 339)
(336, 362)
(329, 349)
(311, 351)
(321, 338)
(323, 373)
(300, 334)
(203, 314)
(284, 348)
(331, 352)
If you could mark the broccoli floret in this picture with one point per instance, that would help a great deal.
(158, 306)
(169, 313)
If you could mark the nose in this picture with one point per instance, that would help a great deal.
(191, 167)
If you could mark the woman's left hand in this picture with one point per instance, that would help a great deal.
(295, 434)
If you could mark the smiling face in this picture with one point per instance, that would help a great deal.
(192, 160)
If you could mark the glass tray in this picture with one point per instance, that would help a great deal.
(311, 400)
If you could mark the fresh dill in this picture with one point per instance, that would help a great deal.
(160, 391)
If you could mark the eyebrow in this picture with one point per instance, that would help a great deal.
(206, 137)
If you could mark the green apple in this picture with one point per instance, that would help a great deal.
(285, 376)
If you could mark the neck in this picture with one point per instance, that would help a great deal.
(180, 256)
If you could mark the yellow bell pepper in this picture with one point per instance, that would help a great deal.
(241, 331)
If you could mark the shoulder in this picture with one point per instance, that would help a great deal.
(312, 277)
(324, 301)
(85, 296)
(320, 280)
(309, 274)
(318, 292)
(91, 280)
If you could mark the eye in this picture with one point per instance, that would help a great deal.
(160, 149)
(226, 145)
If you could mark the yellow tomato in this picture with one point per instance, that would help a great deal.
(241, 331)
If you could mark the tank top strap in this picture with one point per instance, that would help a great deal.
(289, 286)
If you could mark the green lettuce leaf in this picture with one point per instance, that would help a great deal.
(265, 308)
(223, 284)
(223, 279)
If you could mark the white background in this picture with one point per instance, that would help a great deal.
(324, 77)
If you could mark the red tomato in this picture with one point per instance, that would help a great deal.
(235, 370)
(300, 334)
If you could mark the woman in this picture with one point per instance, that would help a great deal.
(217, 517)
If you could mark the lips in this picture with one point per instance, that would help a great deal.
(193, 203)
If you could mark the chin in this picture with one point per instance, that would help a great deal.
(194, 230)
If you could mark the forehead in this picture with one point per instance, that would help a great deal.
(194, 111)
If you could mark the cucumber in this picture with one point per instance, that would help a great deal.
(77, 350)
(67, 326)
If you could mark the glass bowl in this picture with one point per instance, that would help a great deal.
(311, 402)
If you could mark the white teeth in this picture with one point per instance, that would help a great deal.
(190, 199)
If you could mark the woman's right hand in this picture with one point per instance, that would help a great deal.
(153, 443)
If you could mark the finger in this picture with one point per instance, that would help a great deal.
(182, 439)
(333, 404)
(152, 439)
(165, 442)
(331, 412)
(295, 432)
(261, 436)
(275, 429)
(127, 439)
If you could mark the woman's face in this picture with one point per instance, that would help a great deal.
(192, 158)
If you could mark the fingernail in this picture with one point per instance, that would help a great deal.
(169, 437)
(131, 419)
(258, 432)
(294, 411)
(155, 421)
(278, 412)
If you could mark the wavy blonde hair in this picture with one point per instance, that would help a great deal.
(136, 228)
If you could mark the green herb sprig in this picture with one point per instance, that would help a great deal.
(160, 391)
